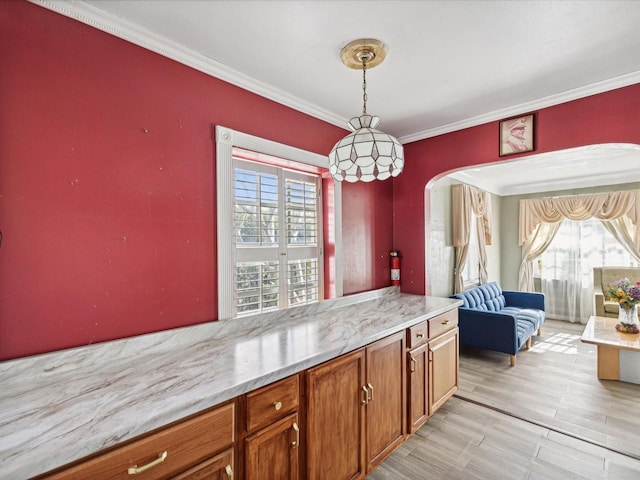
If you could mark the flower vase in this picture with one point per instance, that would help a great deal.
(628, 319)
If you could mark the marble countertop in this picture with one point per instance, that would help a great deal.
(59, 407)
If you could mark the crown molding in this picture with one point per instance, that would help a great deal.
(569, 95)
(118, 27)
(90, 15)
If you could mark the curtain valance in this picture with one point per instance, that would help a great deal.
(604, 206)
(540, 220)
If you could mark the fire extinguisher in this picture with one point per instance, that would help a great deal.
(395, 267)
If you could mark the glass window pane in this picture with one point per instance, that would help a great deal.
(257, 287)
(301, 212)
(256, 208)
(303, 281)
(261, 197)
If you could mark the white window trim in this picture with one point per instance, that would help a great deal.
(226, 139)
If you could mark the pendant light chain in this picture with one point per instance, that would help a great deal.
(364, 85)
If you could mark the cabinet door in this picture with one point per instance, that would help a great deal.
(386, 406)
(443, 369)
(272, 453)
(418, 377)
(335, 419)
(219, 467)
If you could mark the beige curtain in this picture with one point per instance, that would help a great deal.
(532, 249)
(466, 201)
(619, 212)
(623, 230)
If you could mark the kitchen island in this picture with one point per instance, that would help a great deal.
(60, 407)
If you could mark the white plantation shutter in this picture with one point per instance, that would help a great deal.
(256, 208)
(303, 281)
(277, 221)
(302, 212)
(257, 286)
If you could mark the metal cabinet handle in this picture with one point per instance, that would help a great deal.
(136, 469)
(277, 405)
(366, 395)
(296, 429)
(413, 364)
(371, 396)
(229, 471)
(419, 335)
(446, 322)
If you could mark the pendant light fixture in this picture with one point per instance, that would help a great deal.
(366, 154)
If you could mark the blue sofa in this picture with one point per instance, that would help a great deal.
(504, 321)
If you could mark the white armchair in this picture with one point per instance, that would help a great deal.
(602, 277)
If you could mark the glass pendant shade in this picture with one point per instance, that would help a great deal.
(366, 154)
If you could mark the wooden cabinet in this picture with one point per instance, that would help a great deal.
(443, 369)
(385, 410)
(432, 369)
(418, 387)
(337, 421)
(216, 468)
(272, 453)
(418, 334)
(335, 418)
(272, 442)
(356, 410)
(442, 323)
(188, 446)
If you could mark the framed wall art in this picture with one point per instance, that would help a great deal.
(516, 135)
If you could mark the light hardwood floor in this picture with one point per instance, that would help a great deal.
(549, 417)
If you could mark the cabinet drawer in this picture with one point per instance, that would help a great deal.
(272, 402)
(417, 334)
(443, 323)
(186, 444)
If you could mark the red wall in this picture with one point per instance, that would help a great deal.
(611, 117)
(107, 182)
(366, 245)
(107, 185)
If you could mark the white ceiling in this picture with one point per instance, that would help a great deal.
(581, 167)
(450, 65)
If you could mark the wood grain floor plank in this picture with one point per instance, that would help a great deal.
(572, 459)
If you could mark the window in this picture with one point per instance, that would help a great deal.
(584, 243)
(271, 202)
(278, 251)
(565, 269)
